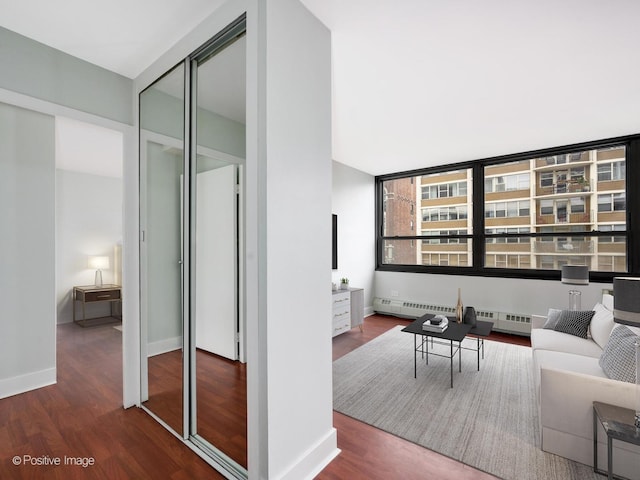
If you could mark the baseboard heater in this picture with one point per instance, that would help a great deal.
(515, 323)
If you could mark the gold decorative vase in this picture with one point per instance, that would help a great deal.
(459, 309)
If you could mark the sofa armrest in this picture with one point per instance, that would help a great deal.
(538, 321)
(566, 399)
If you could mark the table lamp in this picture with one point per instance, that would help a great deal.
(99, 263)
(626, 310)
(575, 275)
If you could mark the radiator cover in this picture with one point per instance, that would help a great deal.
(516, 323)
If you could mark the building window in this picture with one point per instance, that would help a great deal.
(611, 202)
(531, 214)
(519, 208)
(611, 171)
(444, 190)
(577, 204)
(444, 214)
(507, 183)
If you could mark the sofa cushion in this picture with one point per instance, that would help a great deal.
(565, 361)
(544, 339)
(575, 322)
(601, 324)
(553, 315)
(618, 359)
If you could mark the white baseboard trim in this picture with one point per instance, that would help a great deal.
(24, 383)
(315, 459)
(164, 346)
(368, 311)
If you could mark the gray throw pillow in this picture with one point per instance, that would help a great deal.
(553, 315)
(618, 360)
(575, 322)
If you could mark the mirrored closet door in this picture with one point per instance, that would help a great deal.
(161, 247)
(192, 148)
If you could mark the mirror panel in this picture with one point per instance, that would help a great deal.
(161, 173)
(220, 373)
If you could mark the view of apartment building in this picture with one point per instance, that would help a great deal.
(563, 196)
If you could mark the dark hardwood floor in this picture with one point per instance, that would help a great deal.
(221, 391)
(82, 416)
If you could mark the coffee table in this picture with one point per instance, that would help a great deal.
(456, 332)
(480, 330)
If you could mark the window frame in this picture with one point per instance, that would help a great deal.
(478, 237)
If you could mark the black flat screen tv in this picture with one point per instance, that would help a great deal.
(334, 241)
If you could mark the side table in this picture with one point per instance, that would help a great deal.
(618, 424)
(92, 294)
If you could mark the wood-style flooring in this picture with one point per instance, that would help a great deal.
(221, 392)
(82, 416)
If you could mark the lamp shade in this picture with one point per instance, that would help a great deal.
(626, 301)
(98, 262)
(575, 274)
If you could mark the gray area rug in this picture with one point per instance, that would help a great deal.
(488, 420)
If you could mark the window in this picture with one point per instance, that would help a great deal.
(507, 183)
(577, 204)
(445, 190)
(611, 202)
(512, 231)
(443, 214)
(507, 209)
(536, 213)
(443, 233)
(612, 228)
(611, 171)
(546, 207)
(546, 179)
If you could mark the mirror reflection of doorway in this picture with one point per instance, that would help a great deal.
(191, 215)
(220, 373)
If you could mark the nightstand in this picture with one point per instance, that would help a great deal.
(618, 424)
(92, 294)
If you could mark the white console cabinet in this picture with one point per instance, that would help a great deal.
(348, 310)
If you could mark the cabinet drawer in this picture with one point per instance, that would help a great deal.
(338, 329)
(340, 299)
(341, 316)
(99, 296)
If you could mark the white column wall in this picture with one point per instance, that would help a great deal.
(27, 243)
(298, 240)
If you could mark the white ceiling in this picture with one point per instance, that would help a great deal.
(415, 82)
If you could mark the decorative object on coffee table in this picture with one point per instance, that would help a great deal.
(470, 316)
(575, 275)
(459, 309)
(626, 310)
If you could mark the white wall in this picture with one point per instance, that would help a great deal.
(511, 295)
(35, 69)
(27, 246)
(296, 197)
(353, 201)
(88, 222)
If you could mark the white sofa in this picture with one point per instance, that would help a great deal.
(568, 379)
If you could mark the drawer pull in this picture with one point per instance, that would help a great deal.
(104, 296)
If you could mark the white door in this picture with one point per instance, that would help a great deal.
(216, 260)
